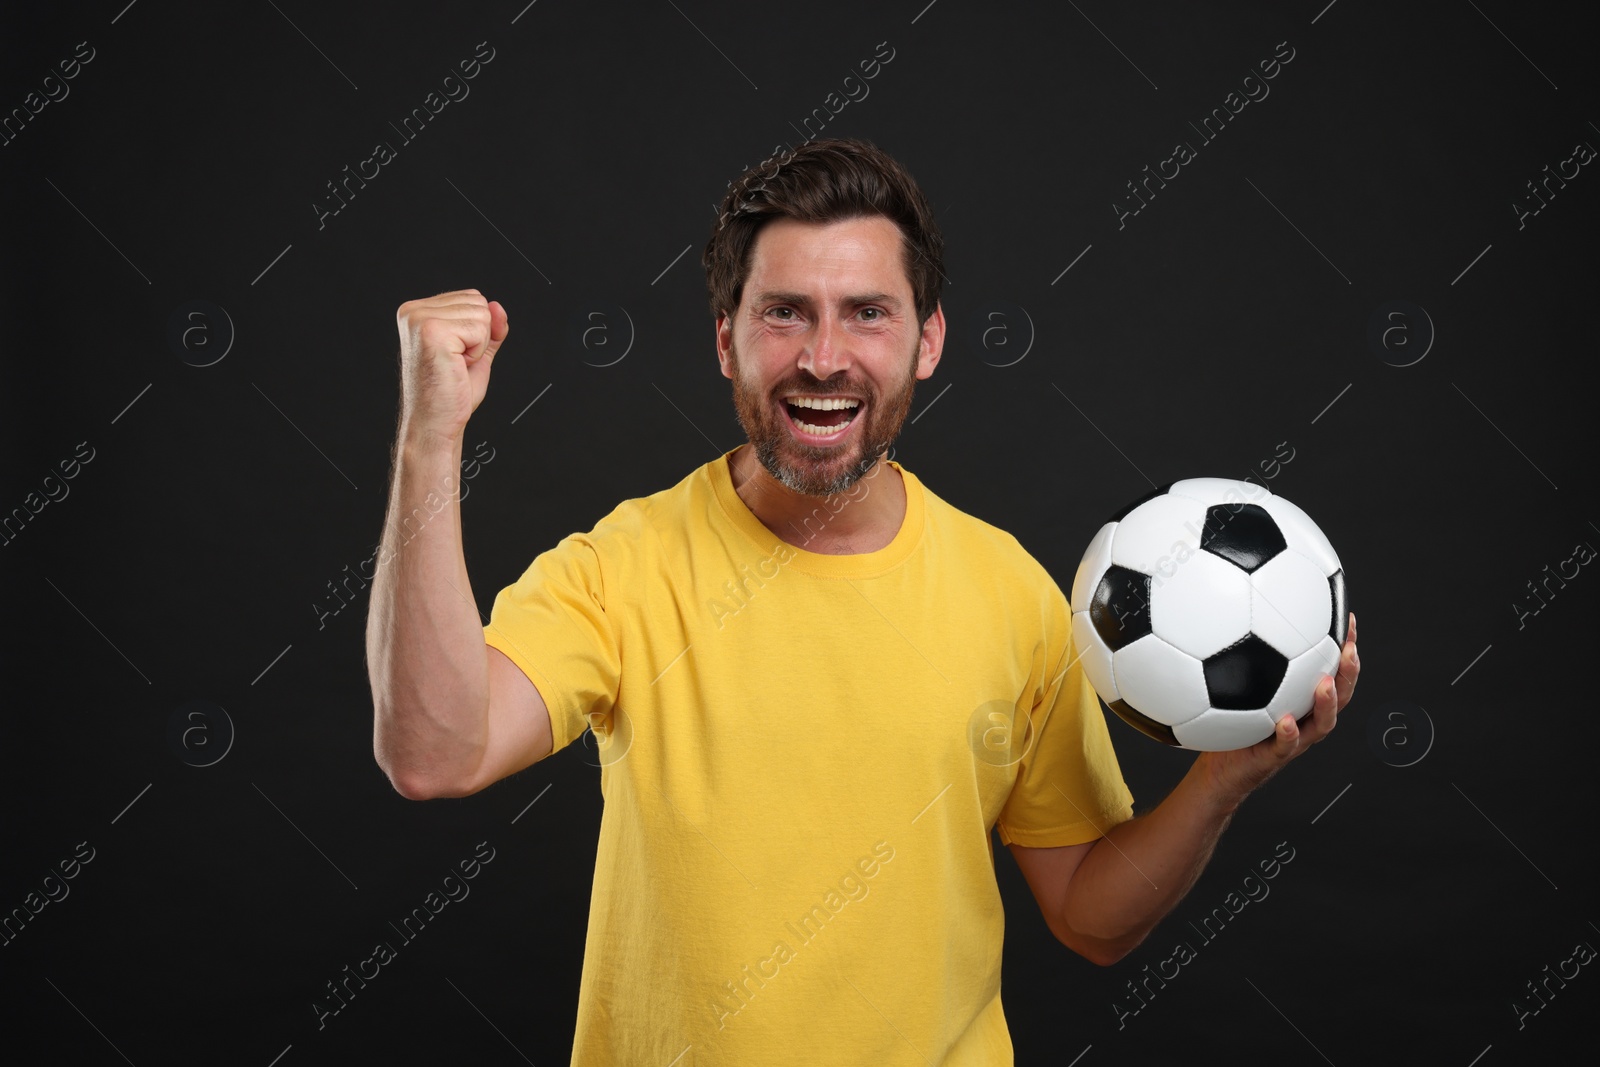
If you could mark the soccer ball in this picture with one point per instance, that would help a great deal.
(1206, 610)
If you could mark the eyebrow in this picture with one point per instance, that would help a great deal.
(783, 297)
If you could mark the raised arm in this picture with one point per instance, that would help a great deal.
(451, 715)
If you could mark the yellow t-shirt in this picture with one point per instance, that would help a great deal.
(802, 757)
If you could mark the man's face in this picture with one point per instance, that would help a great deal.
(827, 316)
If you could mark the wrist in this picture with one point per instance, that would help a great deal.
(417, 441)
(1222, 791)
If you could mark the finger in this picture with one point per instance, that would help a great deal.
(1315, 724)
(1325, 707)
(455, 336)
(1349, 672)
(476, 336)
(414, 314)
(471, 325)
(459, 296)
(465, 312)
(1286, 737)
(461, 302)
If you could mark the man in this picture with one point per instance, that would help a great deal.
(795, 662)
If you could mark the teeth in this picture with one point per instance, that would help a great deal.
(823, 403)
(819, 431)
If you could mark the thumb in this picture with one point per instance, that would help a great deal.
(499, 325)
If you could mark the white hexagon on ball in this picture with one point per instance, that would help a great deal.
(1291, 603)
(1160, 681)
(1146, 538)
(1204, 607)
(1211, 491)
(1219, 730)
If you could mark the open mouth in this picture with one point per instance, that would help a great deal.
(821, 417)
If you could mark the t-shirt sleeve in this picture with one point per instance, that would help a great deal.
(1069, 786)
(553, 624)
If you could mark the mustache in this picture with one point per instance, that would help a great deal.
(816, 388)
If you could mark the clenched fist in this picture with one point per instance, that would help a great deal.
(447, 344)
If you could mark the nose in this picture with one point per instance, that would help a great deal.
(827, 349)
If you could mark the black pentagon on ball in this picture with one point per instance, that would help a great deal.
(1244, 675)
(1122, 513)
(1341, 613)
(1243, 534)
(1160, 731)
(1120, 608)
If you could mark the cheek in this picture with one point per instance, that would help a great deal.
(762, 359)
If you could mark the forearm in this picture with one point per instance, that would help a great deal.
(425, 648)
(1141, 868)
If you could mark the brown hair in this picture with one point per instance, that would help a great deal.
(823, 181)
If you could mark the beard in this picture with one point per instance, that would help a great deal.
(815, 470)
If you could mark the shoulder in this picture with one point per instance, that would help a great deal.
(997, 550)
(641, 524)
(1006, 584)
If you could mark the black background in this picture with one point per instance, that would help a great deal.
(1225, 324)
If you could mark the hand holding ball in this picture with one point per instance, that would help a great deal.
(1206, 611)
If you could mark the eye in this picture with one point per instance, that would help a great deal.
(784, 312)
(876, 313)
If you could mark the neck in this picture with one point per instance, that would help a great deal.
(863, 518)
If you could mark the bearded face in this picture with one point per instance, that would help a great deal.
(825, 349)
(779, 422)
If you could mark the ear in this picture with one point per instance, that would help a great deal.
(724, 331)
(931, 344)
